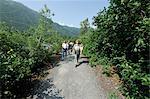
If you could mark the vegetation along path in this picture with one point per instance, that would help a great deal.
(69, 82)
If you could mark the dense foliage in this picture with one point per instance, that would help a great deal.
(121, 38)
(22, 52)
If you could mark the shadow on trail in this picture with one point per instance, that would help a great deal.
(70, 58)
(45, 90)
(84, 57)
(82, 62)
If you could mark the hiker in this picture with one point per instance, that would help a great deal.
(76, 49)
(64, 50)
(70, 47)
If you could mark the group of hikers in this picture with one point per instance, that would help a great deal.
(75, 48)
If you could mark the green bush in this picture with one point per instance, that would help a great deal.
(121, 38)
(22, 52)
(112, 95)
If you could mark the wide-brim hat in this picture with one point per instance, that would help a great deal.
(77, 41)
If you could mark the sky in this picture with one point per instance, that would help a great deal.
(69, 12)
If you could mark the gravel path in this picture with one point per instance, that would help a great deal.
(69, 82)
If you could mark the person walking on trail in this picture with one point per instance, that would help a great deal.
(64, 50)
(68, 48)
(71, 47)
(76, 49)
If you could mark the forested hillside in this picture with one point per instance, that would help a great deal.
(66, 30)
(17, 15)
(121, 40)
(21, 17)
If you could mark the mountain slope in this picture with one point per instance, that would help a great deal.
(21, 17)
(65, 29)
(17, 15)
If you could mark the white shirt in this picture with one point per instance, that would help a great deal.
(67, 45)
(64, 45)
(77, 47)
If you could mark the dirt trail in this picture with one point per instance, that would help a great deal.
(69, 82)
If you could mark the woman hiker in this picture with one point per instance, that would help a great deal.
(76, 49)
(64, 50)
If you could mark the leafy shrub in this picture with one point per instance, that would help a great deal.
(112, 95)
(19, 57)
(121, 38)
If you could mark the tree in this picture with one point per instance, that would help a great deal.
(122, 39)
(85, 25)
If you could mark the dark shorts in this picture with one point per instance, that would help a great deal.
(77, 52)
(64, 50)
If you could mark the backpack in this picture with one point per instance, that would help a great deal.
(77, 49)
